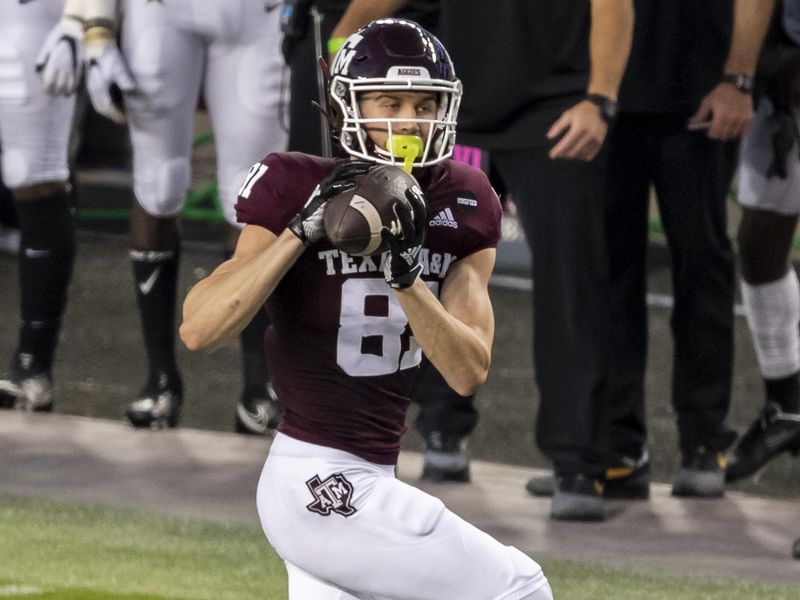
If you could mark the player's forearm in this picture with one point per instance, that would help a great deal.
(609, 45)
(459, 352)
(751, 20)
(220, 306)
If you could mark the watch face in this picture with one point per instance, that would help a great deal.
(608, 107)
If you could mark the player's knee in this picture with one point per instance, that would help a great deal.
(161, 189)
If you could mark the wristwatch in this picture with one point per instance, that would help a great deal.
(608, 107)
(741, 81)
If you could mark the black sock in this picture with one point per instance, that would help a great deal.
(156, 278)
(254, 362)
(47, 252)
(785, 391)
(8, 216)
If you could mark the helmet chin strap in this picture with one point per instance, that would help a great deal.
(407, 147)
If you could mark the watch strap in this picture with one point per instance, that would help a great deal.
(608, 107)
(741, 81)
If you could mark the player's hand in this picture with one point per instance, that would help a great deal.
(405, 239)
(728, 110)
(307, 224)
(582, 131)
(107, 78)
(60, 60)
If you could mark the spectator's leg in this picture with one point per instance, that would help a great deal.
(693, 176)
(445, 420)
(627, 206)
(561, 208)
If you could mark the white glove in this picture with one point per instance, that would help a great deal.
(107, 78)
(60, 60)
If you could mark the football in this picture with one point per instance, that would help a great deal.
(355, 219)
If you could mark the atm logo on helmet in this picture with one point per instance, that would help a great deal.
(406, 72)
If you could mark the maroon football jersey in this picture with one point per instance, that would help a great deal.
(341, 354)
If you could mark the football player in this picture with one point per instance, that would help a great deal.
(769, 192)
(34, 137)
(348, 333)
(171, 52)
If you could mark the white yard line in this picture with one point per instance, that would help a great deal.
(19, 590)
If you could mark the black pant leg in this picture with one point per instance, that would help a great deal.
(627, 203)
(561, 209)
(440, 408)
(693, 176)
(304, 118)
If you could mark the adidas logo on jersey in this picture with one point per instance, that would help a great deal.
(445, 218)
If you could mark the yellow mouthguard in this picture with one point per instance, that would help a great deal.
(407, 147)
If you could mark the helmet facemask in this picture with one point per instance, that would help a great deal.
(371, 51)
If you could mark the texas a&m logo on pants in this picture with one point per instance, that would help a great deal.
(332, 494)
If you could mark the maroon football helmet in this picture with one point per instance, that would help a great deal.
(397, 55)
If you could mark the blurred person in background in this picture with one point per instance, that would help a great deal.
(171, 51)
(34, 138)
(769, 192)
(685, 100)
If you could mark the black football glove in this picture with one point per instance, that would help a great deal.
(779, 74)
(785, 134)
(307, 224)
(405, 240)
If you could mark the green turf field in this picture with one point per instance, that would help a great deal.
(56, 551)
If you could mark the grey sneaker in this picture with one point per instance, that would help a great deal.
(577, 497)
(542, 485)
(27, 392)
(258, 414)
(9, 241)
(702, 474)
(445, 459)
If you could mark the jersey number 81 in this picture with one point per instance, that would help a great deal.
(355, 325)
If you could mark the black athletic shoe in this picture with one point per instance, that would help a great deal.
(158, 406)
(796, 549)
(702, 474)
(258, 414)
(577, 497)
(32, 392)
(772, 433)
(445, 459)
(629, 480)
